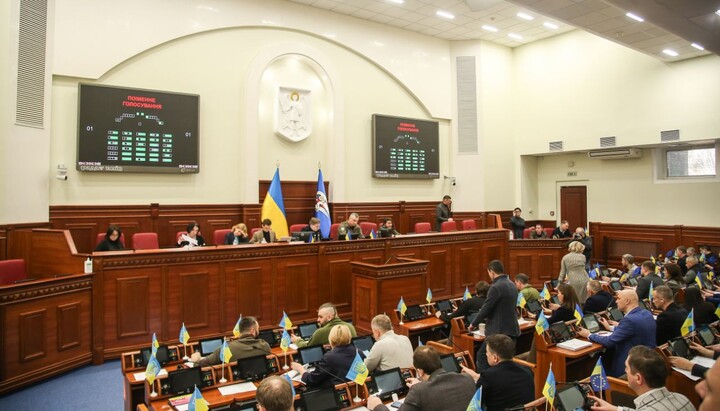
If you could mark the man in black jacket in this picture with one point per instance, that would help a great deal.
(498, 312)
(647, 272)
(598, 299)
(672, 317)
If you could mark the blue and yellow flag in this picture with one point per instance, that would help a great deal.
(578, 313)
(289, 380)
(598, 272)
(697, 281)
(521, 300)
(651, 291)
(311, 239)
(545, 293)
(285, 322)
(428, 296)
(711, 275)
(236, 329)
(372, 233)
(717, 311)
(225, 353)
(274, 208)
(285, 341)
(401, 307)
(184, 336)
(542, 323)
(652, 258)
(153, 369)
(197, 402)
(598, 379)
(358, 371)
(154, 345)
(623, 277)
(420, 343)
(476, 401)
(549, 388)
(689, 324)
(467, 295)
(322, 210)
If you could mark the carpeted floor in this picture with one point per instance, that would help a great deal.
(87, 388)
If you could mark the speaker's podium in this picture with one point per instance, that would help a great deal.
(376, 289)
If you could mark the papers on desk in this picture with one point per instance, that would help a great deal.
(574, 344)
(478, 333)
(293, 346)
(237, 388)
(140, 376)
(523, 321)
(705, 362)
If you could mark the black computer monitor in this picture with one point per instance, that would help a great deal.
(449, 363)
(184, 380)
(680, 348)
(321, 400)
(162, 355)
(616, 286)
(591, 323)
(386, 383)
(310, 355)
(615, 314)
(707, 337)
(250, 405)
(570, 398)
(353, 236)
(307, 330)
(632, 281)
(414, 312)
(363, 343)
(269, 337)
(385, 232)
(444, 305)
(303, 236)
(560, 332)
(253, 368)
(533, 307)
(209, 345)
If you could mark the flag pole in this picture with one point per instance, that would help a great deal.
(357, 395)
(285, 367)
(186, 356)
(153, 393)
(222, 372)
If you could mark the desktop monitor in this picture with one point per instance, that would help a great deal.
(386, 383)
(209, 345)
(591, 323)
(184, 381)
(560, 332)
(353, 236)
(615, 314)
(414, 312)
(250, 405)
(555, 299)
(570, 398)
(632, 281)
(616, 286)
(270, 337)
(554, 283)
(680, 348)
(470, 318)
(707, 337)
(444, 305)
(253, 368)
(162, 355)
(364, 343)
(321, 400)
(310, 355)
(449, 363)
(303, 236)
(385, 232)
(533, 307)
(307, 330)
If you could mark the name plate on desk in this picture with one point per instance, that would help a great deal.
(574, 344)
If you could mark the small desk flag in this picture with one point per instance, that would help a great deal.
(289, 380)
(549, 388)
(598, 379)
(155, 344)
(236, 329)
(184, 335)
(358, 371)
(578, 313)
(197, 402)
(285, 322)
(521, 300)
(542, 323)
(545, 294)
(285, 341)
(225, 353)
(401, 307)
(153, 369)
(689, 324)
(428, 296)
(476, 401)
(467, 295)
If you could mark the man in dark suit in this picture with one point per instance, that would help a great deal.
(598, 299)
(443, 212)
(647, 272)
(562, 231)
(434, 389)
(503, 373)
(498, 312)
(672, 317)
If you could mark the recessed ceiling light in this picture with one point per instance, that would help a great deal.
(634, 17)
(525, 16)
(445, 14)
(671, 53)
(397, 1)
(549, 25)
(515, 36)
(697, 46)
(490, 28)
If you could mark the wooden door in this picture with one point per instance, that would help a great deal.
(573, 206)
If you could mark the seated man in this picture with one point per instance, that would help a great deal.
(434, 389)
(672, 317)
(636, 328)
(681, 256)
(275, 394)
(528, 291)
(694, 269)
(390, 350)
(247, 345)
(314, 228)
(266, 235)
(646, 374)
(562, 231)
(647, 271)
(598, 299)
(350, 226)
(538, 232)
(327, 319)
(503, 373)
(390, 227)
(468, 307)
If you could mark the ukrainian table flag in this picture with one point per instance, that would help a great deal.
(373, 235)
(689, 324)
(545, 294)
(428, 296)
(358, 372)
(549, 388)
(184, 336)
(274, 208)
(651, 291)
(322, 210)
(467, 294)
(598, 379)
(578, 313)
(197, 402)
(542, 323)
(152, 370)
(154, 345)
(285, 322)
(476, 401)
(521, 300)
(401, 307)
(285, 341)
(717, 311)
(289, 380)
(697, 281)
(225, 353)
(236, 329)
(598, 272)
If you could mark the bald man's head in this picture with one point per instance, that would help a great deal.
(627, 300)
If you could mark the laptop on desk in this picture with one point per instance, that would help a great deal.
(306, 330)
(309, 356)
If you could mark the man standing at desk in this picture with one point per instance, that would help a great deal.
(443, 212)
(636, 328)
(327, 319)
(498, 312)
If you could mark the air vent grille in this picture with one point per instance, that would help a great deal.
(607, 142)
(670, 135)
(32, 30)
(467, 105)
(556, 146)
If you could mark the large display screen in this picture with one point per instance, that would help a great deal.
(140, 131)
(405, 147)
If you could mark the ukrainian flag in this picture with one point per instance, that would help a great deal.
(467, 294)
(578, 313)
(225, 353)
(542, 323)
(152, 370)
(521, 300)
(236, 329)
(358, 372)
(274, 208)
(717, 311)
(598, 378)
(285, 341)
(689, 324)
(698, 281)
(322, 210)
(197, 402)
(285, 322)
(598, 272)
(401, 307)
(545, 294)
(476, 401)
(549, 388)
(373, 235)
(155, 344)
(428, 296)
(289, 380)
(184, 335)
(651, 291)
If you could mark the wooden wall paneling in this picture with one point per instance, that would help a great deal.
(33, 332)
(216, 224)
(251, 216)
(298, 198)
(337, 280)
(363, 292)
(521, 264)
(69, 326)
(411, 289)
(547, 266)
(3, 244)
(193, 291)
(84, 235)
(468, 269)
(539, 259)
(53, 252)
(249, 292)
(132, 306)
(300, 282)
(437, 278)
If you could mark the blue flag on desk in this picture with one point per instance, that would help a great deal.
(598, 379)
(197, 402)
(322, 210)
(289, 380)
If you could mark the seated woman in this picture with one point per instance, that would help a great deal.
(192, 238)
(703, 311)
(238, 235)
(673, 277)
(565, 311)
(111, 242)
(335, 362)
(313, 227)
